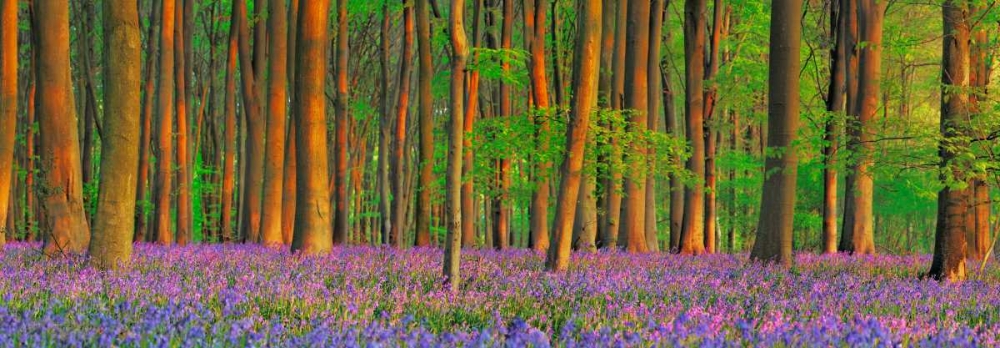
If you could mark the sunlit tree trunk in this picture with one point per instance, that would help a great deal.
(719, 32)
(693, 230)
(400, 144)
(271, 213)
(613, 184)
(231, 148)
(253, 171)
(8, 104)
(949, 238)
(111, 242)
(979, 237)
(774, 227)
(585, 76)
(540, 90)
(426, 123)
(164, 126)
(460, 52)
(184, 223)
(312, 208)
(471, 109)
(291, 168)
(147, 124)
(385, 128)
(636, 101)
(835, 106)
(341, 204)
(656, 15)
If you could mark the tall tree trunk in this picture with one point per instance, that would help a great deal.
(401, 146)
(341, 211)
(111, 242)
(859, 230)
(693, 230)
(471, 107)
(604, 102)
(540, 90)
(460, 52)
(612, 207)
(184, 223)
(164, 138)
(231, 147)
(271, 213)
(637, 101)
(979, 238)
(8, 104)
(949, 238)
(312, 208)
(291, 168)
(585, 76)
(835, 107)
(774, 227)
(426, 121)
(253, 172)
(385, 127)
(719, 32)
(656, 14)
(147, 124)
(501, 204)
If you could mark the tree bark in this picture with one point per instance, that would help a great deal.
(585, 76)
(501, 204)
(164, 139)
(637, 101)
(656, 14)
(460, 52)
(400, 145)
(835, 106)
(8, 104)
(253, 171)
(271, 211)
(774, 227)
(426, 123)
(540, 93)
(184, 223)
(471, 108)
(147, 125)
(693, 231)
(111, 242)
(341, 211)
(291, 166)
(231, 147)
(312, 209)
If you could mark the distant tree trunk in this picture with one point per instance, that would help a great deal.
(184, 223)
(340, 218)
(859, 234)
(253, 172)
(401, 146)
(460, 52)
(8, 104)
(835, 106)
(949, 239)
(604, 102)
(231, 147)
(676, 185)
(979, 237)
(693, 230)
(164, 139)
(540, 90)
(501, 204)
(312, 208)
(111, 242)
(585, 75)
(471, 107)
(426, 122)
(774, 227)
(291, 168)
(147, 124)
(613, 207)
(719, 32)
(271, 213)
(385, 128)
(636, 101)
(656, 15)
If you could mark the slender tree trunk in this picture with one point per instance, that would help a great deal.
(8, 104)
(949, 239)
(604, 102)
(835, 107)
(656, 15)
(165, 106)
(147, 124)
(271, 213)
(111, 242)
(184, 223)
(501, 204)
(585, 76)
(401, 146)
(340, 218)
(613, 184)
(637, 101)
(540, 90)
(253, 172)
(693, 230)
(979, 237)
(719, 32)
(385, 127)
(291, 168)
(460, 52)
(426, 122)
(231, 147)
(312, 208)
(774, 227)
(471, 107)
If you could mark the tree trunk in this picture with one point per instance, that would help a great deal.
(111, 242)
(656, 14)
(312, 208)
(231, 147)
(471, 107)
(147, 125)
(385, 127)
(8, 104)
(341, 205)
(460, 52)
(500, 204)
(253, 171)
(949, 238)
(774, 227)
(719, 32)
(184, 223)
(164, 139)
(400, 145)
(271, 212)
(835, 107)
(426, 122)
(290, 173)
(693, 231)
(637, 101)
(585, 75)
(540, 93)
(613, 201)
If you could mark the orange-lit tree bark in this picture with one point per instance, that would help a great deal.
(585, 75)
(8, 104)
(425, 120)
(385, 128)
(142, 178)
(253, 172)
(693, 230)
(164, 126)
(184, 224)
(400, 144)
(341, 204)
(274, 150)
(291, 166)
(949, 237)
(540, 94)
(656, 15)
(65, 224)
(471, 109)
(614, 47)
(636, 101)
(978, 227)
(774, 227)
(111, 242)
(858, 232)
(835, 106)
(719, 32)
(459, 54)
(230, 147)
(500, 203)
(312, 208)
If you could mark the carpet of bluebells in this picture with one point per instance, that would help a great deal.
(221, 296)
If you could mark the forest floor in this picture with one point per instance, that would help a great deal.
(234, 295)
